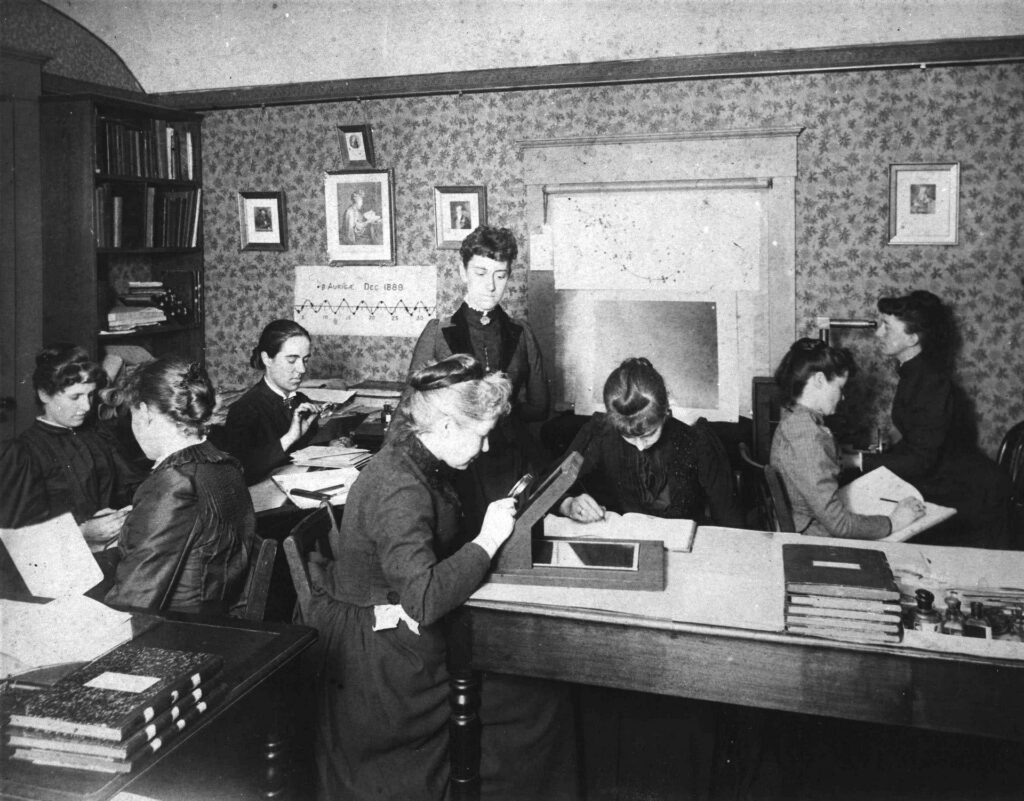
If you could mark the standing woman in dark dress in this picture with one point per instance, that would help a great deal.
(639, 458)
(482, 329)
(936, 449)
(67, 461)
(273, 418)
(400, 567)
(187, 542)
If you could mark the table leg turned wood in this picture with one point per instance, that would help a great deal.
(464, 728)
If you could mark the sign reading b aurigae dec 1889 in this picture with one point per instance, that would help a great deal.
(358, 300)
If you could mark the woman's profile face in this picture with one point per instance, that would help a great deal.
(286, 369)
(464, 440)
(70, 406)
(486, 280)
(893, 336)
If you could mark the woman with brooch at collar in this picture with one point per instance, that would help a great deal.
(482, 329)
(273, 419)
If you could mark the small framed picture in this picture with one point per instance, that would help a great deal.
(457, 211)
(263, 221)
(924, 204)
(360, 206)
(356, 146)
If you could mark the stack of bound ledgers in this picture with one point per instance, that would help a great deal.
(115, 712)
(841, 593)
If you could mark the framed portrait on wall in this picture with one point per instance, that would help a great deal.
(457, 211)
(924, 203)
(360, 206)
(262, 221)
(356, 146)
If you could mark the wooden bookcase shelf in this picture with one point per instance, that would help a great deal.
(122, 201)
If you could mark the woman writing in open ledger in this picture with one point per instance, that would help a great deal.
(638, 458)
(67, 461)
(401, 566)
(273, 419)
(811, 378)
(936, 448)
(187, 541)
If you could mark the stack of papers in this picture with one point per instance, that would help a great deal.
(331, 456)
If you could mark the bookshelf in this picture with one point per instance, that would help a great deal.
(122, 206)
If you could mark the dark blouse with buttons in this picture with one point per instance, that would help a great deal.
(48, 470)
(253, 430)
(682, 475)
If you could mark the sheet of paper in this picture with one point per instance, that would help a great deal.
(328, 395)
(676, 534)
(68, 629)
(874, 493)
(53, 558)
(317, 481)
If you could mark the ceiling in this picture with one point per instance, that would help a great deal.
(194, 45)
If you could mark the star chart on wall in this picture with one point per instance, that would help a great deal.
(358, 300)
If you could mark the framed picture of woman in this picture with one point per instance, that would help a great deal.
(360, 209)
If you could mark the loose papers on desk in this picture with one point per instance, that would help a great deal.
(316, 481)
(866, 496)
(676, 534)
(52, 557)
(67, 629)
(331, 456)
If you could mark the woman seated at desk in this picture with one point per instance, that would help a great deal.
(67, 461)
(187, 541)
(936, 448)
(639, 458)
(400, 568)
(811, 378)
(273, 418)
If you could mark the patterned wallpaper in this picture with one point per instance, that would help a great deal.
(856, 124)
(73, 52)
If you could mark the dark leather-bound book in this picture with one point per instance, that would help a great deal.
(140, 753)
(21, 737)
(112, 696)
(838, 571)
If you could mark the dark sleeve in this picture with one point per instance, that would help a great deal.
(128, 475)
(249, 437)
(926, 414)
(23, 498)
(152, 539)
(536, 400)
(585, 444)
(715, 476)
(429, 588)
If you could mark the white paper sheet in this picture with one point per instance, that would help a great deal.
(53, 558)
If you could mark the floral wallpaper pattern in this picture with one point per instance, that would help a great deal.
(856, 124)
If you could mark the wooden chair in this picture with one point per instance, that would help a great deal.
(1011, 459)
(257, 585)
(309, 541)
(769, 493)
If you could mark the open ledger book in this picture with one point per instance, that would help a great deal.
(676, 534)
(877, 492)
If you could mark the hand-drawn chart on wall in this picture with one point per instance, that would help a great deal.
(365, 301)
(668, 240)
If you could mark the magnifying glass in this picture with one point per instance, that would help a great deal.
(520, 486)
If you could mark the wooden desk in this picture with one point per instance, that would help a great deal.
(253, 654)
(930, 690)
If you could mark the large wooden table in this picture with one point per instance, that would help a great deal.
(254, 654)
(949, 692)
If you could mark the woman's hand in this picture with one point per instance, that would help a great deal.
(906, 512)
(582, 509)
(497, 526)
(302, 418)
(102, 529)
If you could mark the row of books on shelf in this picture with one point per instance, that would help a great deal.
(151, 149)
(114, 713)
(146, 217)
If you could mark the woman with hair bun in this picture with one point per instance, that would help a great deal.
(186, 544)
(936, 446)
(638, 458)
(273, 419)
(400, 568)
(67, 461)
(811, 378)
